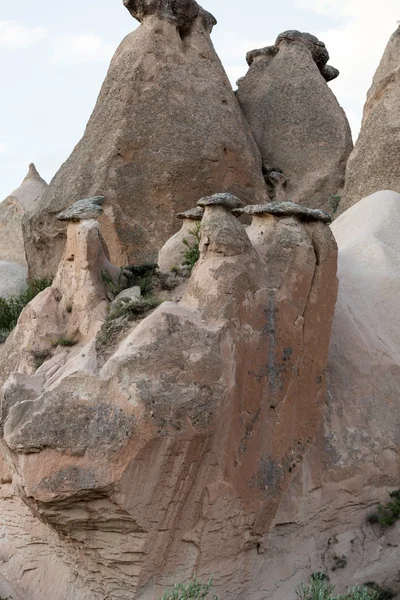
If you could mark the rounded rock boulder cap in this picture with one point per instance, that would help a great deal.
(288, 209)
(87, 208)
(194, 214)
(225, 200)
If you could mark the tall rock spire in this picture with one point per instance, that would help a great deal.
(165, 131)
(374, 164)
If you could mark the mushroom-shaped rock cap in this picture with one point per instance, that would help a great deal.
(194, 214)
(181, 13)
(317, 48)
(253, 54)
(226, 200)
(87, 208)
(288, 209)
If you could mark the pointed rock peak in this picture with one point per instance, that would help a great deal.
(182, 13)
(32, 174)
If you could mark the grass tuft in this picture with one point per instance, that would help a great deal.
(194, 590)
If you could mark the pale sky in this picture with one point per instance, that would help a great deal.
(54, 57)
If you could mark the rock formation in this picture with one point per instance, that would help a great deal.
(174, 454)
(302, 132)
(12, 279)
(172, 254)
(166, 130)
(22, 201)
(374, 164)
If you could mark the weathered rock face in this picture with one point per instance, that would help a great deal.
(12, 279)
(175, 454)
(22, 201)
(166, 130)
(302, 132)
(374, 164)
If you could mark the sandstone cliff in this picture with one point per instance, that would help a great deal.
(166, 130)
(374, 163)
(302, 132)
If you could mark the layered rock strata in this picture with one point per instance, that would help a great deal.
(374, 164)
(173, 456)
(301, 131)
(166, 130)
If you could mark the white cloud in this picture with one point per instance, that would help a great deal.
(15, 36)
(3, 147)
(86, 47)
(356, 45)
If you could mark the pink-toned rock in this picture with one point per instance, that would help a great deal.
(195, 425)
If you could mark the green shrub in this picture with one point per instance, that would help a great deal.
(192, 254)
(11, 309)
(128, 308)
(387, 514)
(133, 275)
(319, 588)
(40, 356)
(64, 341)
(334, 203)
(194, 590)
(383, 592)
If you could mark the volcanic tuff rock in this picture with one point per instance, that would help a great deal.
(174, 455)
(172, 254)
(166, 130)
(22, 201)
(374, 164)
(12, 279)
(301, 131)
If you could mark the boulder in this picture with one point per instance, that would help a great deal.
(165, 131)
(12, 279)
(301, 131)
(374, 163)
(22, 201)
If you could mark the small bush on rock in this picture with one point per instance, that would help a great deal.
(319, 588)
(387, 514)
(194, 590)
(192, 254)
(11, 309)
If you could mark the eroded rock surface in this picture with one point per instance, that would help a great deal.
(22, 201)
(12, 279)
(165, 131)
(301, 131)
(175, 454)
(374, 163)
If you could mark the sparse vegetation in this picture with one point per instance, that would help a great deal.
(133, 275)
(319, 588)
(334, 203)
(125, 310)
(11, 309)
(194, 590)
(383, 592)
(387, 514)
(192, 253)
(39, 356)
(64, 341)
